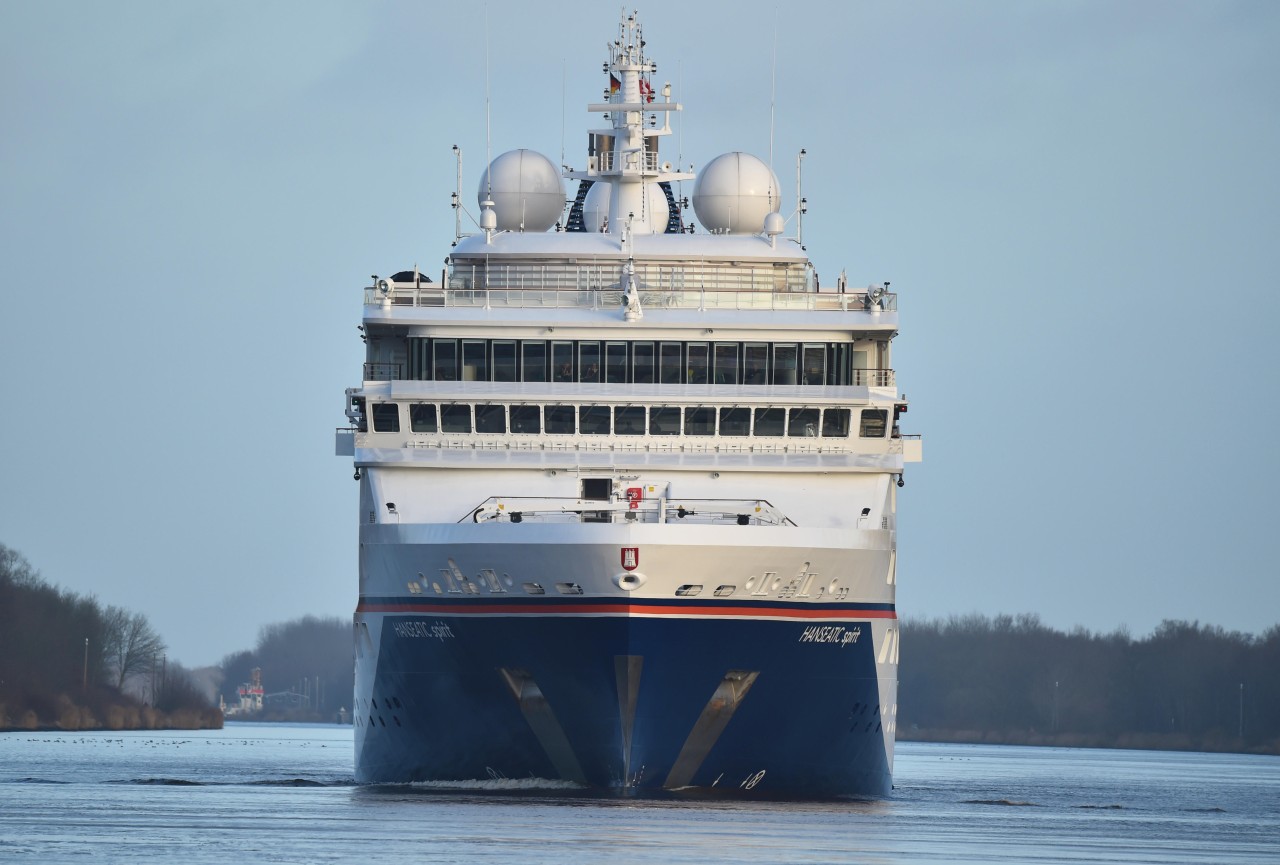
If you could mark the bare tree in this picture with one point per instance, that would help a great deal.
(131, 644)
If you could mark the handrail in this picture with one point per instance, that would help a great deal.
(516, 509)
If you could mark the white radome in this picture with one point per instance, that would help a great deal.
(734, 193)
(526, 189)
(595, 208)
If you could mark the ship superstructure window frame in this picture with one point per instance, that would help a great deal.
(874, 423)
(630, 420)
(455, 417)
(490, 418)
(422, 417)
(386, 417)
(643, 361)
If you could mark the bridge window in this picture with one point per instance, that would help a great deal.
(386, 417)
(700, 420)
(735, 421)
(770, 422)
(491, 418)
(835, 422)
(527, 419)
(422, 417)
(664, 420)
(560, 420)
(455, 418)
(628, 420)
(874, 421)
(593, 420)
(803, 422)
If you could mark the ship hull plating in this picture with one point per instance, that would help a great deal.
(659, 701)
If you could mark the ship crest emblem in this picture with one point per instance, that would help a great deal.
(630, 558)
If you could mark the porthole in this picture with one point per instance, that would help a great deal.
(688, 590)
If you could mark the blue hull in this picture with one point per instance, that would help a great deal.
(624, 703)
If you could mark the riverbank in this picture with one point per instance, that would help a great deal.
(66, 714)
(1123, 741)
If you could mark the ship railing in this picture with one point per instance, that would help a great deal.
(658, 509)
(596, 285)
(460, 294)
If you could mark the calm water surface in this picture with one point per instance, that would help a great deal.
(275, 793)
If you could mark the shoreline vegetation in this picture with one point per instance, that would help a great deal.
(69, 663)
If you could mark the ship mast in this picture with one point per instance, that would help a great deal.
(630, 164)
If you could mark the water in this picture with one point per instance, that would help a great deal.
(284, 793)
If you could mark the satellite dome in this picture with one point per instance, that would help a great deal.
(595, 209)
(526, 190)
(734, 193)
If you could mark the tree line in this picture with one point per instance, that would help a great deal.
(1013, 679)
(307, 670)
(68, 661)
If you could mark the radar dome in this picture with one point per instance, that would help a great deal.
(595, 209)
(526, 190)
(734, 193)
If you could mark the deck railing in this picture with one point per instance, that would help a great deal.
(611, 298)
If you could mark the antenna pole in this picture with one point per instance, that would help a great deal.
(801, 204)
(488, 137)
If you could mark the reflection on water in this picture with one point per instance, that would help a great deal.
(285, 794)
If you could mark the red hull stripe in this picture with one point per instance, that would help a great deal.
(642, 609)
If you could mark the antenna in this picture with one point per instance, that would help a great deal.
(801, 204)
(773, 89)
(563, 74)
(488, 139)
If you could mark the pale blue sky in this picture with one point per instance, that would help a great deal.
(1076, 201)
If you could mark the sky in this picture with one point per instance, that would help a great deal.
(1077, 203)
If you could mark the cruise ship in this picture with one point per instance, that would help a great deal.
(628, 483)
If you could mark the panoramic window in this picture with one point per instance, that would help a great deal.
(770, 422)
(755, 363)
(815, 365)
(628, 420)
(615, 362)
(491, 418)
(835, 422)
(803, 423)
(445, 354)
(475, 361)
(593, 420)
(504, 360)
(534, 360)
(700, 420)
(560, 420)
(735, 421)
(664, 420)
(386, 417)
(784, 364)
(589, 361)
(455, 417)
(726, 363)
(527, 419)
(699, 363)
(562, 361)
(670, 369)
(642, 362)
(874, 421)
(422, 417)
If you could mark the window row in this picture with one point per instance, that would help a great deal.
(639, 362)
(628, 420)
